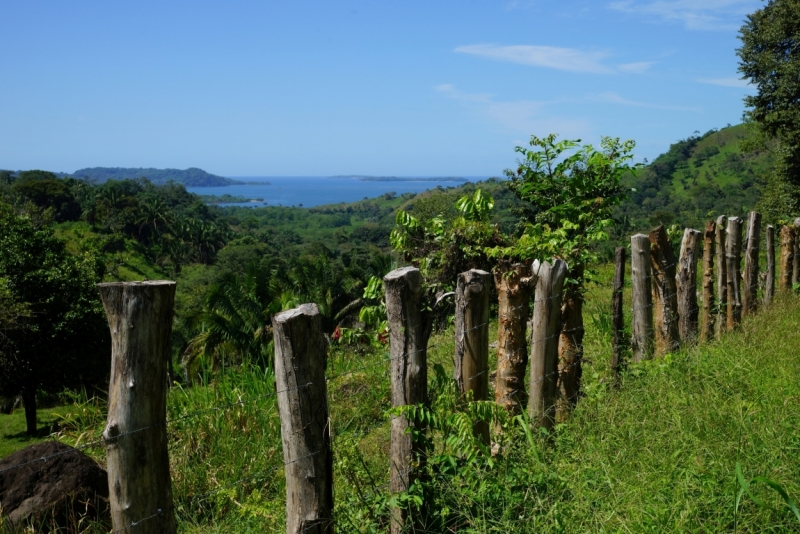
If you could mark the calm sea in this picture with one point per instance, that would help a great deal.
(310, 191)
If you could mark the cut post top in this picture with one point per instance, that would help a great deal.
(303, 309)
(145, 283)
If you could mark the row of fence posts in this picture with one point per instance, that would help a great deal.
(665, 315)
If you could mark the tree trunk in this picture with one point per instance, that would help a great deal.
(769, 288)
(641, 281)
(750, 297)
(722, 275)
(617, 313)
(733, 256)
(300, 357)
(796, 253)
(409, 368)
(787, 250)
(686, 282)
(29, 401)
(707, 328)
(545, 328)
(472, 339)
(514, 287)
(665, 293)
(570, 345)
(140, 319)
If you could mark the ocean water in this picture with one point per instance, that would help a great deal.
(310, 191)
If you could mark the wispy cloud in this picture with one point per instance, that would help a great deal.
(694, 14)
(519, 116)
(639, 67)
(614, 98)
(568, 59)
(726, 82)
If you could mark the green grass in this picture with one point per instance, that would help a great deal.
(13, 435)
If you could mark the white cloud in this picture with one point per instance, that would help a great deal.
(694, 14)
(568, 59)
(637, 68)
(725, 82)
(519, 116)
(614, 98)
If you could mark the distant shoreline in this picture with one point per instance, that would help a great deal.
(401, 179)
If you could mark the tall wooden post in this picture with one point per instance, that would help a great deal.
(707, 326)
(750, 293)
(722, 275)
(570, 345)
(545, 327)
(409, 375)
(617, 314)
(733, 257)
(665, 292)
(796, 253)
(769, 289)
(140, 319)
(686, 282)
(472, 339)
(642, 324)
(514, 287)
(300, 357)
(787, 251)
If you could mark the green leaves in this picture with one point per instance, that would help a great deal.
(476, 208)
(745, 488)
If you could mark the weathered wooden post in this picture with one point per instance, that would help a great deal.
(733, 256)
(665, 293)
(722, 275)
(409, 375)
(617, 314)
(545, 327)
(750, 293)
(707, 327)
(642, 297)
(787, 251)
(300, 357)
(769, 289)
(140, 319)
(472, 339)
(796, 253)
(514, 287)
(686, 282)
(570, 345)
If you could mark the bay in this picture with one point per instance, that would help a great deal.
(310, 191)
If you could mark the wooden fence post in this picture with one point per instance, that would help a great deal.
(796, 253)
(617, 314)
(514, 286)
(750, 293)
(472, 339)
(686, 282)
(769, 289)
(545, 328)
(642, 324)
(707, 328)
(722, 275)
(665, 293)
(733, 256)
(300, 358)
(409, 375)
(787, 251)
(140, 319)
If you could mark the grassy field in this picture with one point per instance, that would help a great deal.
(657, 455)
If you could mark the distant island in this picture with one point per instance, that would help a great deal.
(399, 179)
(192, 177)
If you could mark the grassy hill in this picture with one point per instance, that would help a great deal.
(192, 177)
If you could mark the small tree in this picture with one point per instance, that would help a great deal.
(60, 338)
(572, 190)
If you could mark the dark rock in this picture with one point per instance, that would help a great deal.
(52, 490)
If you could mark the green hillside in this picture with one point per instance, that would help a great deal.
(192, 177)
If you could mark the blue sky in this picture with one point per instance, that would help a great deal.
(381, 87)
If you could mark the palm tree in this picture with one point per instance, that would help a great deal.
(233, 325)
